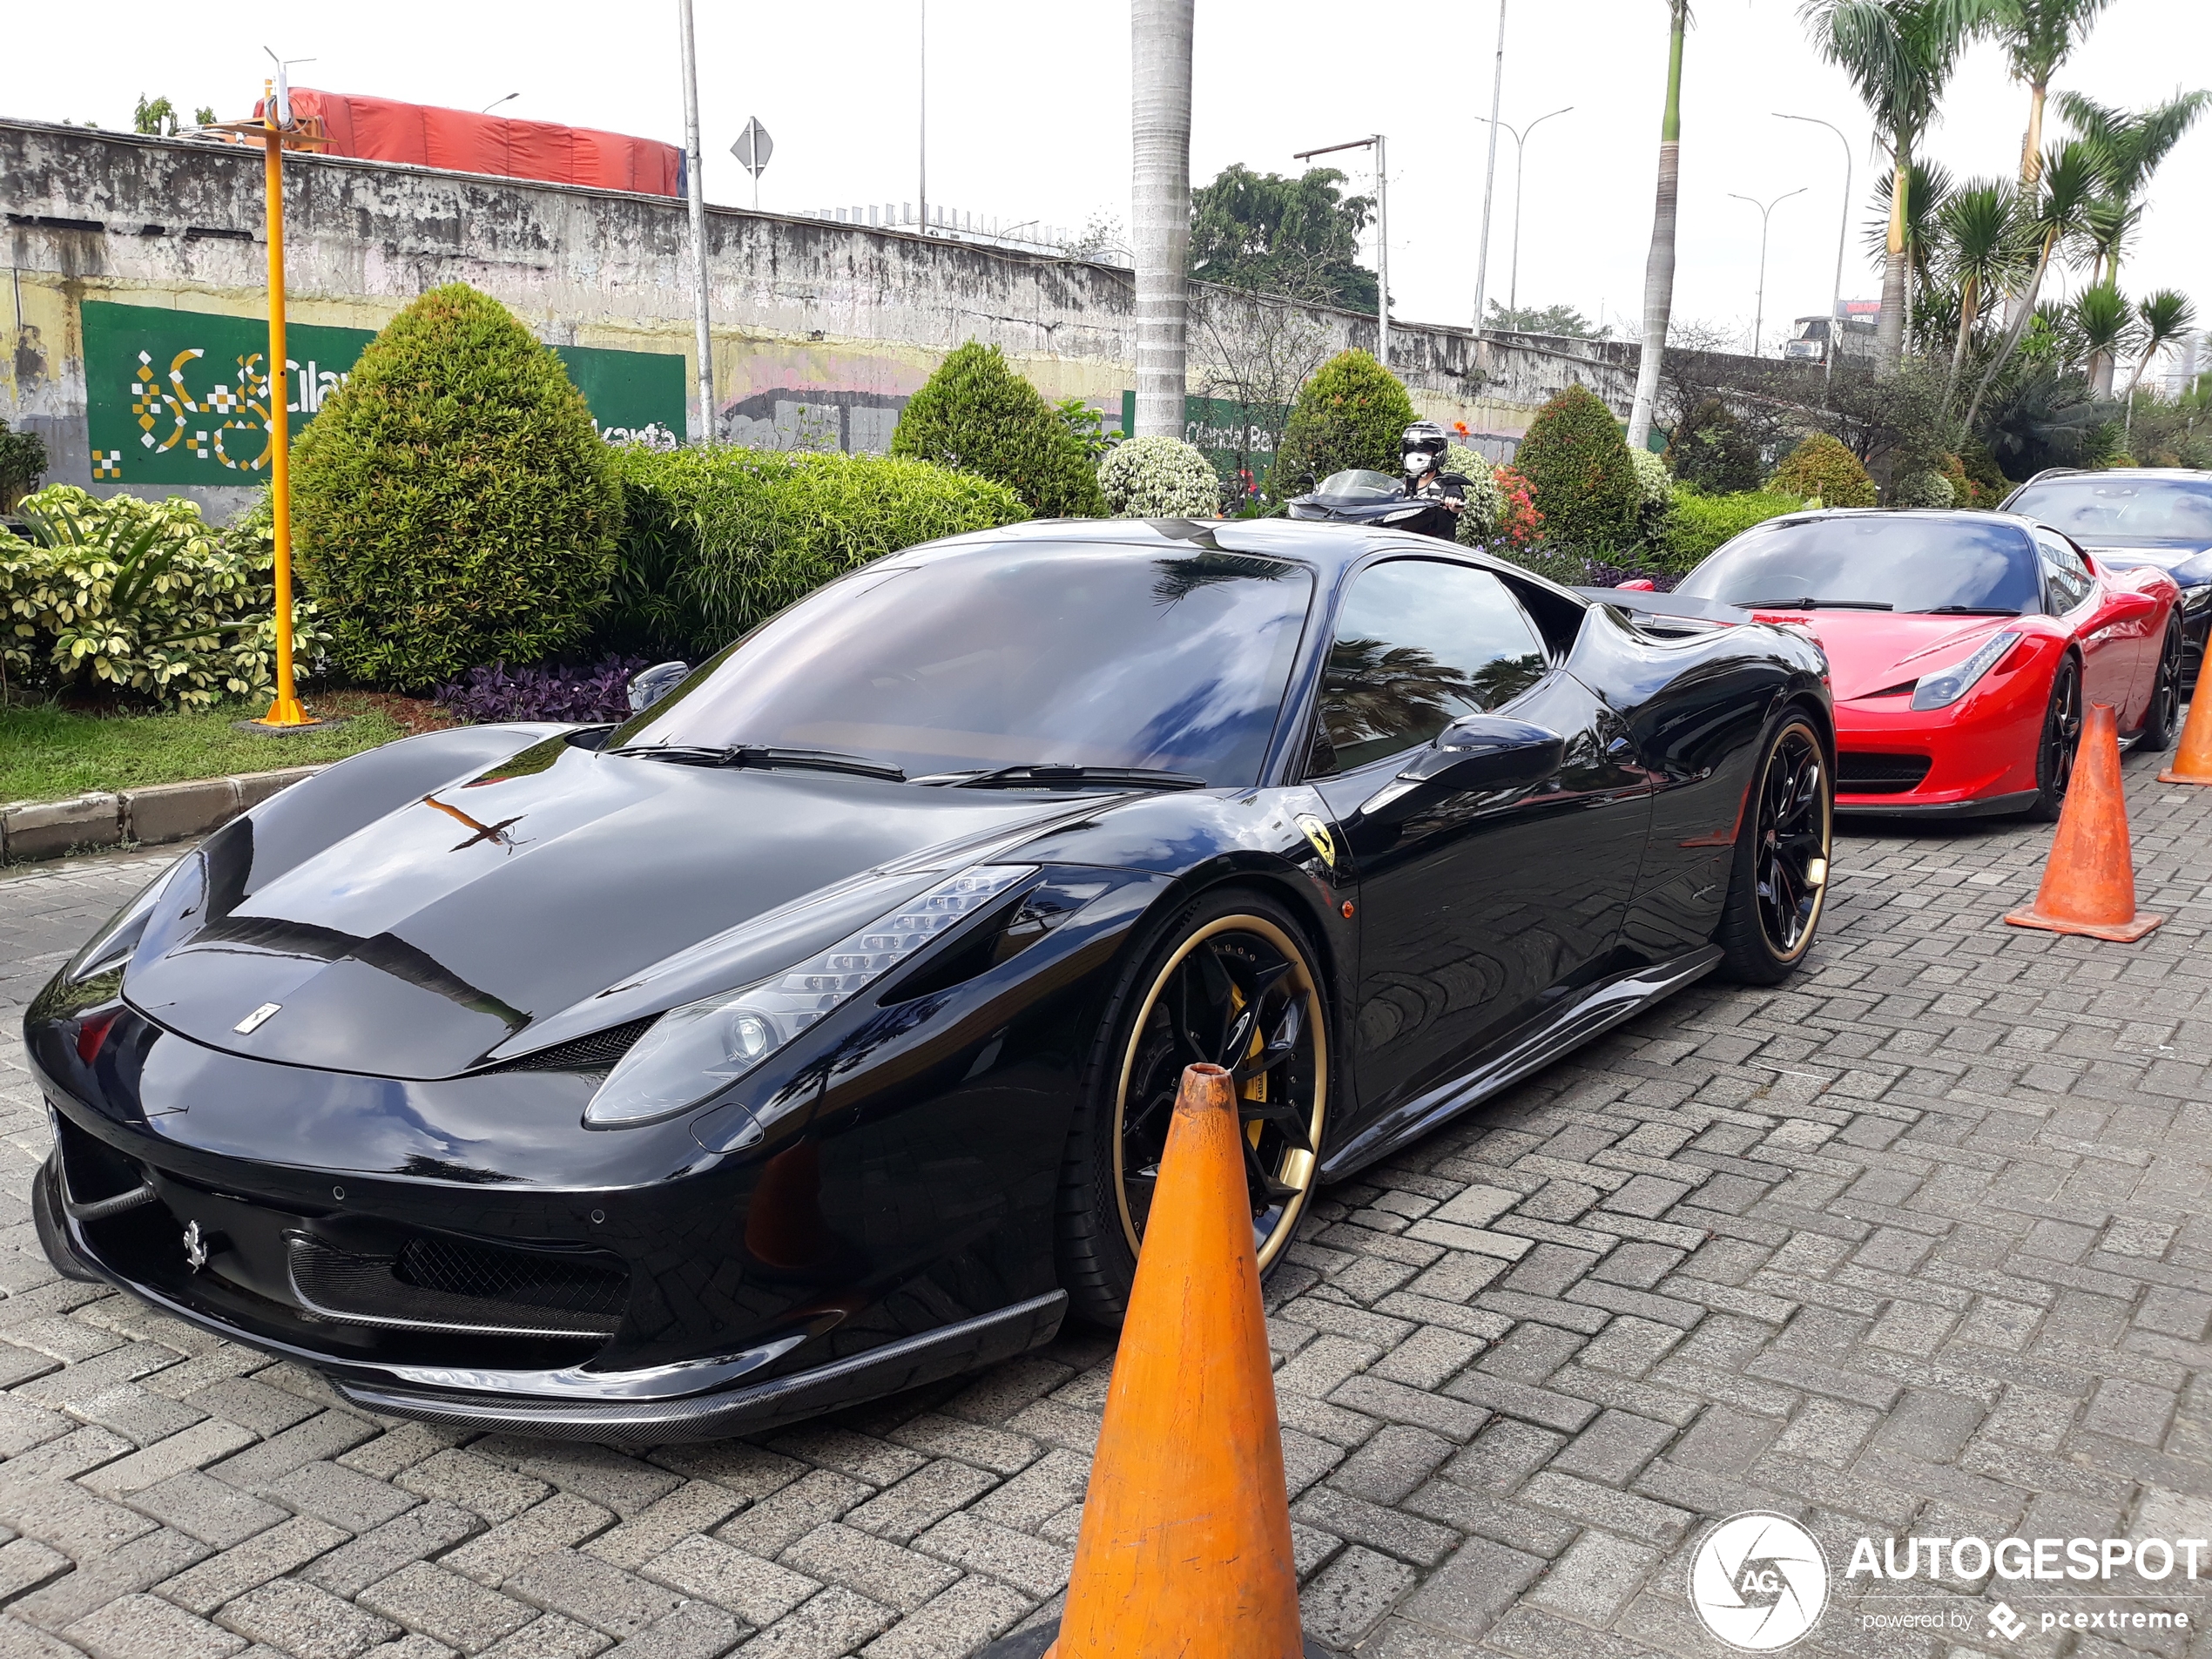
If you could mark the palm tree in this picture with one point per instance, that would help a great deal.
(1659, 264)
(1160, 228)
(2107, 226)
(1981, 253)
(1927, 190)
(2166, 316)
(2038, 37)
(2127, 146)
(2105, 323)
(2065, 186)
(1899, 55)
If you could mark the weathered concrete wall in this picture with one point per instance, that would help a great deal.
(822, 330)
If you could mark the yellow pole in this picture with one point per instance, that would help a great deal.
(285, 710)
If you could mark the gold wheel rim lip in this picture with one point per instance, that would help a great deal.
(1827, 836)
(1299, 1168)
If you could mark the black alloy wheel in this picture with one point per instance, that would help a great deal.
(1232, 985)
(2163, 717)
(2062, 737)
(1780, 882)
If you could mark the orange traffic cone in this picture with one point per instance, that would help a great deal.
(1185, 1544)
(2194, 764)
(2089, 883)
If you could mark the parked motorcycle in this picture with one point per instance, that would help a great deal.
(1359, 496)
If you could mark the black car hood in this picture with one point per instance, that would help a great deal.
(539, 901)
(2123, 553)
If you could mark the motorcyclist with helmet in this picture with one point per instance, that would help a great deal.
(1421, 452)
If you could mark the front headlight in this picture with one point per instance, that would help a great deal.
(694, 1052)
(1946, 686)
(2194, 599)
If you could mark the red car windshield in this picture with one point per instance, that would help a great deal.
(1880, 562)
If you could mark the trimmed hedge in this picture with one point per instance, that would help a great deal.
(1485, 502)
(1696, 523)
(453, 503)
(719, 539)
(1822, 466)
(1578, 467)
(1353, 413)
(976, 415)
(1159, 478)
(1711, 452)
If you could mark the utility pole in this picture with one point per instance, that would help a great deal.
(1490, 174)
(1843, 235)
(1758, 305)
(921, 165)
(696, 176)
(1382, 233)
(1160, 33)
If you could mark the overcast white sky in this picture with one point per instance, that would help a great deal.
(1029, 114)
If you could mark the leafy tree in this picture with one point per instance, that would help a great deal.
(1710, 451)
(1299, 238)
(157, 118)
(1899, 55)
(1564, 320)
(1821, 466)
(1353, 413)
(22, 458)
(1579, 469)
(976, 414)
(454, 502)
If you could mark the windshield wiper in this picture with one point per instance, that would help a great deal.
(1970, 611)
(1053, 777)
(757, 757)
(1814, 604)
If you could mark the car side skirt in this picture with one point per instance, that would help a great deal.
(1596, 1009)
(1989, 806)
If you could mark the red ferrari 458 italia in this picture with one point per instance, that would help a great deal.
(1963, 649)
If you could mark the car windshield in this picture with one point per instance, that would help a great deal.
(1357, 483)
(1011, 655)
(2114, 504)
(1877, 561)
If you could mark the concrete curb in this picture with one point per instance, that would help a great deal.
(47, 829)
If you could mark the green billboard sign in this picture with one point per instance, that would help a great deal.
(1238, 438)
(182, 397)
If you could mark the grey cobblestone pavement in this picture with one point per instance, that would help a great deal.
(1914, 1245)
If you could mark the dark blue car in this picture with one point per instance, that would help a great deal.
(2134, 515)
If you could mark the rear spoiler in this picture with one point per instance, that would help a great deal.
(1638, 602)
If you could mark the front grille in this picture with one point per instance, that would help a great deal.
(1871, 774)
(437, 1283)
(598, 1052)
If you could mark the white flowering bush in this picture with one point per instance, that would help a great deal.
(1485, 502)
(142, 596)
(1159, 478)
(1655, 484)
(1922, 489)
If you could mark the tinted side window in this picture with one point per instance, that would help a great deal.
(1418, 645)
(2069, 578)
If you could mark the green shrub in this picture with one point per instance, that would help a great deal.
(975, 415)
(1485, 502)
(1159, 478)
(1353, 413)
(1709, 451)
(1579, 468)
(719, 539)
(453, 501)
(1982, 472)
(1922, 489)
(1821, 466)
(1696, 523)
(22, 458)
(144, 598)
(1655, 496)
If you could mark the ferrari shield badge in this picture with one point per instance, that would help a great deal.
(1318, 832)
(195, 1246)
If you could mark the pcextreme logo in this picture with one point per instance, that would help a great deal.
(1758, 1581)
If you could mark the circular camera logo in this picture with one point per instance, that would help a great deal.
(1758, 1581)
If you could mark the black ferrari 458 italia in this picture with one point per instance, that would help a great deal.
(813, 1032)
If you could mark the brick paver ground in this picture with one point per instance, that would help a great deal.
(1915, 1244)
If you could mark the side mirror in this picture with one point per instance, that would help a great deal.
(649, 685)
(1489, 752)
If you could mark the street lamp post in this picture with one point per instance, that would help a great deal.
(1758, 305)
(696, 181)
(1382, 233)
(1513, 290)
(1490, 173)
(1843, 235)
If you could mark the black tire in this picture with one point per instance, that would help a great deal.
(2060, 737)
(2162, 719)
(46, 1221)
(1252, 951)
(1778, 880)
